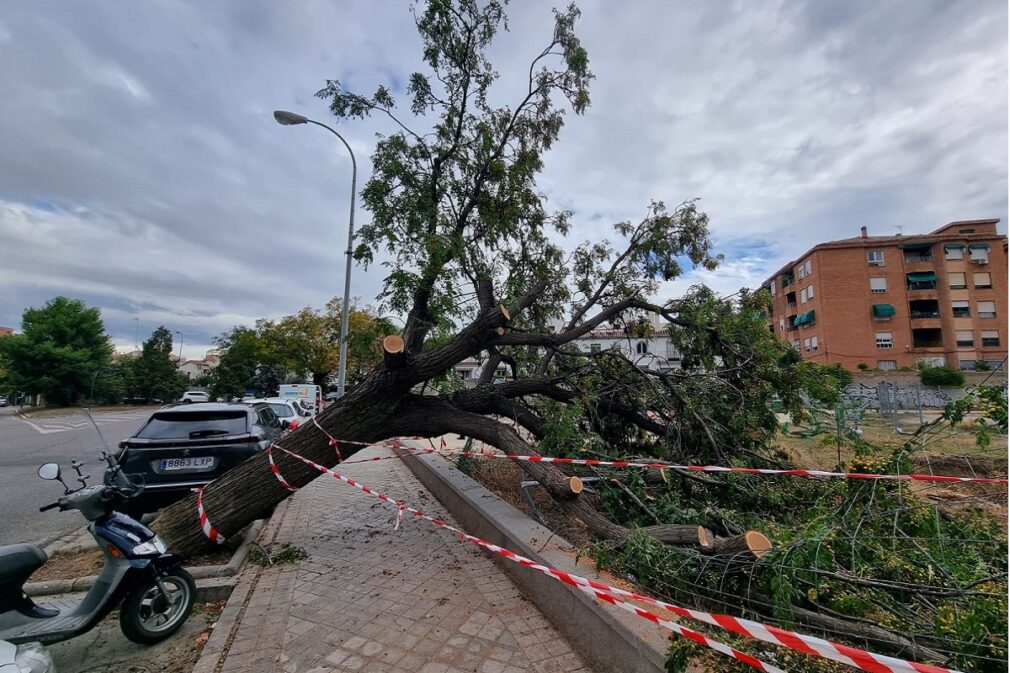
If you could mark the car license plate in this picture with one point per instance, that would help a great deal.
(168, 464)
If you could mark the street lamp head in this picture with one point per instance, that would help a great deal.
(285, 118)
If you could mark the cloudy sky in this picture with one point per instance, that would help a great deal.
(141, 170)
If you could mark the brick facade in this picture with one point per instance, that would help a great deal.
(932, 319)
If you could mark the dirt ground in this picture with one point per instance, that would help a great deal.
(106, 650)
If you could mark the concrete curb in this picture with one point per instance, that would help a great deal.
(613, 640)
(228, 570)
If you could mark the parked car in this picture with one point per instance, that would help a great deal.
(3, 401)
(194, 396)
(138, 399)
(182, 447)
(289, 411)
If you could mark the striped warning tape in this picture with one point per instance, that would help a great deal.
(851, 656)
(598, 592)
(205, 525)
(393, 443)
(276, 471)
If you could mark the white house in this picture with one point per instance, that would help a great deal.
(656, 352)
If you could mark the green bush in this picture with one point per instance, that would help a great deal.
(863, 367)
(982, 366)
(941, 376)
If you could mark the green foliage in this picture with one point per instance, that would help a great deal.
(305, 344)
(990, 405)
(982, 366)
(863, 367)
(155, 374)
(61, 347)
(941, 376)
(460, 201)
(288, 555)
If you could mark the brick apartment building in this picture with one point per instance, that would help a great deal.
(889, 301)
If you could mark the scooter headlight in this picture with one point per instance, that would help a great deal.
(33, 658)
(153, 546)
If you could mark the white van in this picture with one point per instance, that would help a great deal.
(306, 395)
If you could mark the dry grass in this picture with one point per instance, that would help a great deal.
(821, 452)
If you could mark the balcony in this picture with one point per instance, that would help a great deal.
(919, 259)
(791, 306)
(922, 280)
(930, 337)
(920, 309)
(918, 253)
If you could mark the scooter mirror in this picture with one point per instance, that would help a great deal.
(50, 471)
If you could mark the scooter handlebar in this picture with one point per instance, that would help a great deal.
(51, 505)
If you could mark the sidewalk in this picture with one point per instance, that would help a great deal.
(369, 598)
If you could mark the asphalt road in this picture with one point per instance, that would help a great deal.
(26, 443)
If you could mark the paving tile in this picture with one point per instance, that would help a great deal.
(371, 598)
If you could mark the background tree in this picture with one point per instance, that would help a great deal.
(59, 348)
(241, 355)
(155, 374)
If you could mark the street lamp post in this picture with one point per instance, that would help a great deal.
(289, 119)
(182, 338)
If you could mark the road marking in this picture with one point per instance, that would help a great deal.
(52, 426)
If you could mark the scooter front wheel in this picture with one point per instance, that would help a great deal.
(147, 617)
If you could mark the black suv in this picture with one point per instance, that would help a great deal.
(185, 446)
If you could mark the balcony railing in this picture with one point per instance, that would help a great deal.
(930, 285)
(924, 314)
(917, 259)
(791, 305)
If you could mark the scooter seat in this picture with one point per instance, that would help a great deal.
(17, 563)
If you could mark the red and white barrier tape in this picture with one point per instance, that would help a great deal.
(597, 592)
(333, 440)
(867, 661)
(205, 525)
(690, 468)
(276, 471)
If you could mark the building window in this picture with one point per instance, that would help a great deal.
(981, 279)
(979, 253)
(964, 338)
(986, 309)
(966, 231)
(641, 348)
(961, 309)
(887, 365)
(594, 348)
(806, 344)
(796, 344)
(875, 257)
(956, 281)
(809, 267)
(803, 296)
(810, 291)
(782, 325)
(884, 340)
(464, 374)
(800, 273)
(813, 343)
(953, 252)
(771, 286)
(990, 337)
(878, 285)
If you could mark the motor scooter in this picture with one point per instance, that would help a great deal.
(154, 593)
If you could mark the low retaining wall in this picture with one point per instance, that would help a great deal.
(613, 640)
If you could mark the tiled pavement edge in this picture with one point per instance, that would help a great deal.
(371, 598)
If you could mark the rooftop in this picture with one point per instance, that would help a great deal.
(948, 232)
